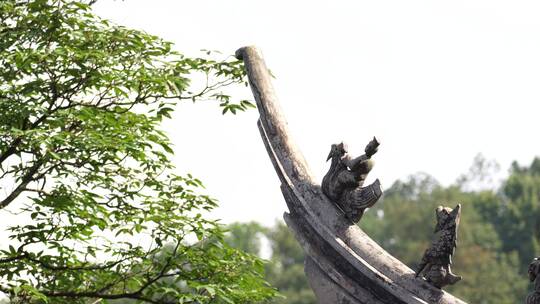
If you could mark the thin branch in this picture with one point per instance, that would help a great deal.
(25, 180)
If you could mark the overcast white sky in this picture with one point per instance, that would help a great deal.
(436, 81)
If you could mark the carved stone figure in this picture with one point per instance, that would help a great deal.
(345, 178)
(435, 265)
(534, 276)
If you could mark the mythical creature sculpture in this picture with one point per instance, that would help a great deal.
(345, 178)
(435, 265)
(534, 276)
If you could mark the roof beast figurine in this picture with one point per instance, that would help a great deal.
(534, 276)
(345, 178)
(437, 259)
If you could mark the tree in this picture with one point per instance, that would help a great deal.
(403, 224)
(516, 215)
(246, 236)
(285, 269)
(497, 238)
(86, 167)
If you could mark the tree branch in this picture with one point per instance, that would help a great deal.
(26, 179)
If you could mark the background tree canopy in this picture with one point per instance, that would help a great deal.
(285, 268)
(498, 234)
(85, 169)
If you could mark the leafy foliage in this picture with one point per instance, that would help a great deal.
(285, 269)
(86, 167)
(246, 236)
(517, 214)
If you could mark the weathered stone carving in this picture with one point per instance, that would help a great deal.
(343, 264)
(435, 265)
(345, 178)
(534, 276)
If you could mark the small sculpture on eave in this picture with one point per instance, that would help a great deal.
(343, 184)
(534, 276)
(435, 265)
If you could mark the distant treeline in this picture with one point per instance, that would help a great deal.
(499, 234)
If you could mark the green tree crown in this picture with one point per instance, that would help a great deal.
(85, 165)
